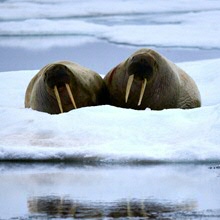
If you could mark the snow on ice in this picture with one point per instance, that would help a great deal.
(107, 133)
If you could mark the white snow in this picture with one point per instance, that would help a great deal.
(110, 134)
(170, 23)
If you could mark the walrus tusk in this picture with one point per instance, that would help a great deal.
(129, 213)
(144, 214)
(144, 83)
(70, 95)
(58, 98)
(128, 88)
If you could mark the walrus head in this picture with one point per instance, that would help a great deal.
(141, 67)
(57, 78)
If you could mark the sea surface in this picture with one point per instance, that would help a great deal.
(100, 56)
(93, 191)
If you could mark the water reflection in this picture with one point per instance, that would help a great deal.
(58, 207)
(153, 191)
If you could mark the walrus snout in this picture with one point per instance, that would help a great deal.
(58, 75)
(57, 78)
(140, 70)
(140, 67)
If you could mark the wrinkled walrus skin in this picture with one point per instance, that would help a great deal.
(62, 86)
(148, 80)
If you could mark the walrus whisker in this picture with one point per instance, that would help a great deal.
(128, 88)
(144, 83)
(58, 98)
(70, 95)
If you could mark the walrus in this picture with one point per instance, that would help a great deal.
(147, 79)
(62, 86)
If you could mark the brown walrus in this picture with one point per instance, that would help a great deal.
(148, 80)
(62, 86)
